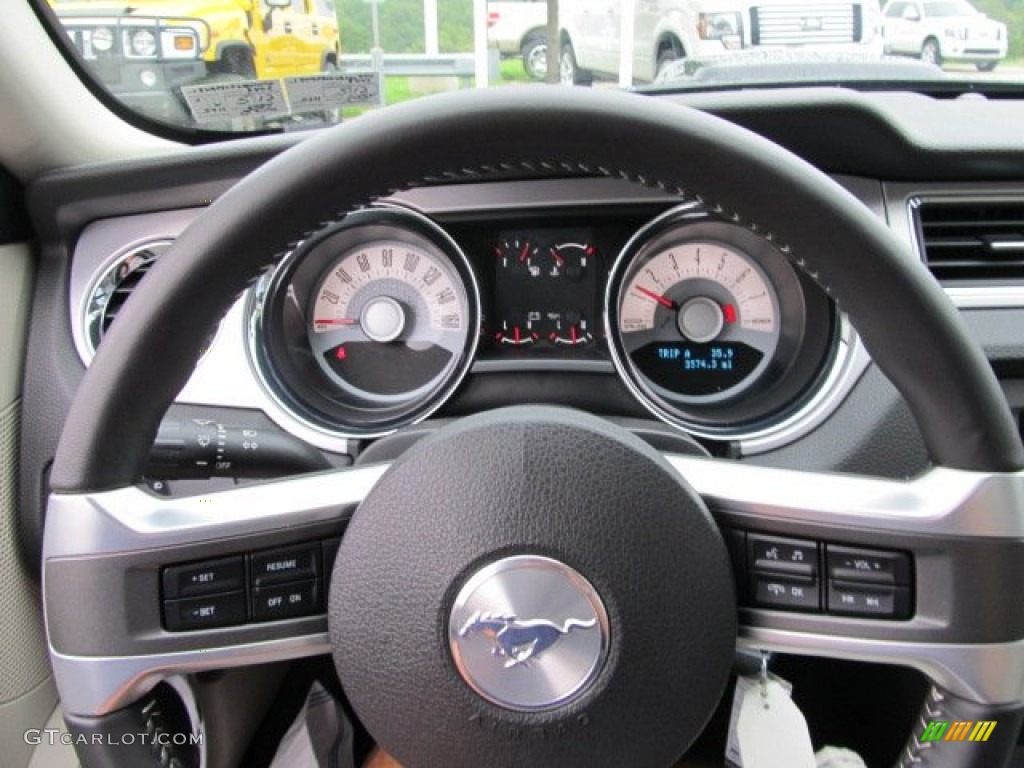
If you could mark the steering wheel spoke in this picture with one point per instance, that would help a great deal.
(959, 531)
(108, 554)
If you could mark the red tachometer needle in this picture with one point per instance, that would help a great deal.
(336, 321)
(657, 297)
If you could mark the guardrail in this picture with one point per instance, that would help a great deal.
(460, 65)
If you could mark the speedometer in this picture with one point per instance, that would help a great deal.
(387, 319)
(708, 325)
(366, 327)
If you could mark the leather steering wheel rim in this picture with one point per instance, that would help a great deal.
(911, 330)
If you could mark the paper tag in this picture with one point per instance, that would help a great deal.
(249, 98)
(772, 737)
(311, 92)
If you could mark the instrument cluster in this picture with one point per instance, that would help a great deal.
(375, 322)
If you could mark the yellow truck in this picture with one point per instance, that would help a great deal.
(143, 50)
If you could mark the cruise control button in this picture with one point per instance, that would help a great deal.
(286, 601)
(207, 578)
(771, 554)
(205, 612)
(277, 566)
(781, 592)
(868, 600)
(867, 565)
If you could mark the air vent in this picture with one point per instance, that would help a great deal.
(973, 241)
(112, 287)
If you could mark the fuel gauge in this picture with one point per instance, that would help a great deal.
(519, 329)
(518, 256)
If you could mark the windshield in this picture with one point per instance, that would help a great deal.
(236, 66)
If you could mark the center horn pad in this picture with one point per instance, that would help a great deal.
(533, 586)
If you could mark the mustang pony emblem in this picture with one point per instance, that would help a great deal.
(519, 641)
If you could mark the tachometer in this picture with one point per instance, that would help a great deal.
(368, 326)
(699, 319)
(707, 324)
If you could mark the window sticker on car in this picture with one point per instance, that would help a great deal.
(218, 101)
(311, 92)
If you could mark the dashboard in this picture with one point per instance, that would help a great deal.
(376, 322)
(547, 278)
(644, 307)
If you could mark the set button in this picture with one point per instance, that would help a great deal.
(205, 612)
(206, 578)
(269, 585)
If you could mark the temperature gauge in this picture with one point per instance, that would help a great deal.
(570, 329)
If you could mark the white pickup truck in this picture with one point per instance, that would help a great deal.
(666, 30)
(520, 29)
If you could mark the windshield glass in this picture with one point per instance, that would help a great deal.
(279, 65)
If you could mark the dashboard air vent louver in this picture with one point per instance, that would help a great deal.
(121, 291)
(976, 241)
(112, 287)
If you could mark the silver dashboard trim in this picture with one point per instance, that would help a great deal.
(940, 502)
(96, 685)
(992, 674)
(132, 518)
(902, 198)
(850, 361)
(986, 296)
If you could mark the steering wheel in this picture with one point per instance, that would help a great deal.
(621, 572)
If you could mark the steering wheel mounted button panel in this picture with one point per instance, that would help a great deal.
(867, 566)
(206, 578)
(286, 601)
(279, 566)
(773, 555)
(205, 612)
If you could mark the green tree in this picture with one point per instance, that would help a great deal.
(401, 26)
(1011, 13)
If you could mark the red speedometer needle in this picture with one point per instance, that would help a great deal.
(336, 321)
(657, 297)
